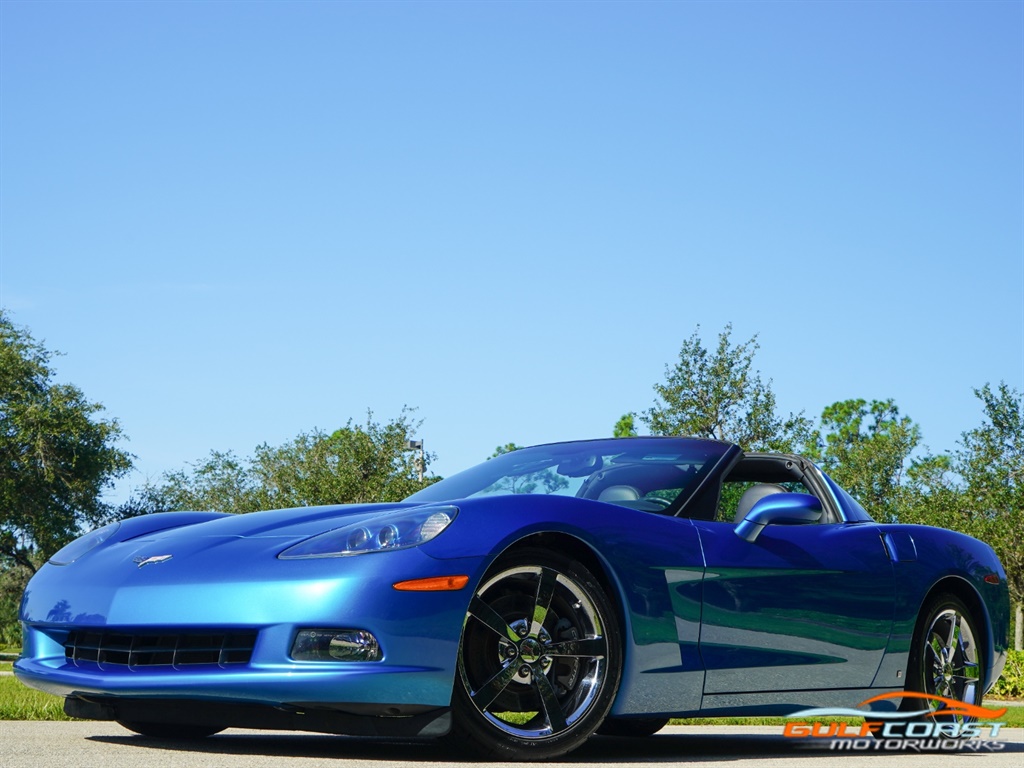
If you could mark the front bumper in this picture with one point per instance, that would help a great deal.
(204, 590)
(345, 683)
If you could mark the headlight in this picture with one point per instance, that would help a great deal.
(400, 529)
(83, 544)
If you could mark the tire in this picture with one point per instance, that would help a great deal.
(539, 661)
(946, 659)
(632, 727)
(170, 730)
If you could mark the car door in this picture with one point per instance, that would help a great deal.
(801, 607)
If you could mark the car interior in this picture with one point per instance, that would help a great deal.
(647, 487)
(757, 476)
(656, 488)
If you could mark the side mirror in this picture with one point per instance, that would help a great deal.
(780, 509)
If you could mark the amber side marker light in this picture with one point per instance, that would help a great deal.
(433, 584)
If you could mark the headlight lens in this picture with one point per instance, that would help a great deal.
(400, 529)
(81, 545)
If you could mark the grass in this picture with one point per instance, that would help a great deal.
(19, 702)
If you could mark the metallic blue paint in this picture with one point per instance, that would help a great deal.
(805, 615)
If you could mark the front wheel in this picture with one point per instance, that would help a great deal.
(539, 662)
(945, 660)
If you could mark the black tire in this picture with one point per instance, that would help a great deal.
(946, 658)
(170, 730)
(539, 662)
(632, 727)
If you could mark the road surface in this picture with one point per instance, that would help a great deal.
(107, 745)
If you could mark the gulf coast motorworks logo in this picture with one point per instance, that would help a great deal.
(941, 724)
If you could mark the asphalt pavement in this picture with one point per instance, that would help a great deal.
(107, 745)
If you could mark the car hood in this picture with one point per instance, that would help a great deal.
(223, 571)
(300, 522)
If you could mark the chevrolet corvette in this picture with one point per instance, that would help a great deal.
(521, 606)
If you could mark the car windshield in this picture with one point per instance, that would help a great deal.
(644, 473)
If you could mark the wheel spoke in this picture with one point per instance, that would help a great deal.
(545, 591)
(489, 691)
(970, 693)
(969, 671)
(491, 619)
(589, 648)
(552, 709)
(953, 643)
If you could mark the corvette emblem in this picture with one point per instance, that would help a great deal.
(141, 561)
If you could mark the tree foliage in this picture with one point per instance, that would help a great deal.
(932, 494)
(501, 450)
(355, 464)
(57, 455)
(718, 394)
(866, 447)
(625, 426)
(991, 462)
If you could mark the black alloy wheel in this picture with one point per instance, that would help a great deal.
(946, 659)
(539, 662)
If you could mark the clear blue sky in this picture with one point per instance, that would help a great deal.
(244, 220)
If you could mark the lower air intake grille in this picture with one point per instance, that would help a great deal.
(119, 648)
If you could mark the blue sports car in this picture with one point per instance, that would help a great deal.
(520, 606)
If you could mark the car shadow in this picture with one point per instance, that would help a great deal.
(670, 746)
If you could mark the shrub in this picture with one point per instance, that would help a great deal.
(1011, 682)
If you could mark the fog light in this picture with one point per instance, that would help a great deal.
(336, 645)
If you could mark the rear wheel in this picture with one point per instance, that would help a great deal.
(539, 662)
(945, 659)
(170, 730)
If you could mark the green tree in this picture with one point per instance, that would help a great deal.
(358, 463)
(626, 426)
(57, 455)
(991, 462)
(718, 394)
(221, 482)
(143, 501)
(501, 450)
(13, 580)
(866, 448)
(933, 495)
